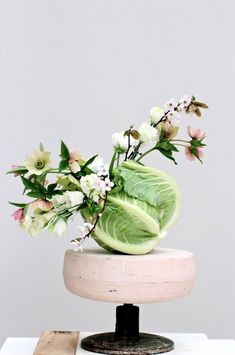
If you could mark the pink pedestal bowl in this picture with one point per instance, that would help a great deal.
(162, 275)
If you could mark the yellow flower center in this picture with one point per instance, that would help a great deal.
(40, 164)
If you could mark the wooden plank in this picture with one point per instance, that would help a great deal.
(57, 343)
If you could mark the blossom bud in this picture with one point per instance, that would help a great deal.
(120, 142)
(156, 114)
(147, 133)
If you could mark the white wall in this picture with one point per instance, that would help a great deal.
(80, 70)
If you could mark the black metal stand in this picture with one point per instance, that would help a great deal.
(126, 340)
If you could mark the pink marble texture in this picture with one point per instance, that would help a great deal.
(162, 275)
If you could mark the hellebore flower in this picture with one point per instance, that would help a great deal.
(75, 159)
(38, 162)
(19, 215)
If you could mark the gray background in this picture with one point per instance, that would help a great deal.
(81, 70)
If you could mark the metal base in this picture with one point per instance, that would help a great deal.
(144, 344)
(127, 340)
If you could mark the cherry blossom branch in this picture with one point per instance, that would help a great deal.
(80, 240)
(164, 117)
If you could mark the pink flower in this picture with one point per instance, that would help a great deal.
(197, 133)
(42, 206)
(75, 158)
(18, 215)
(76, 155)
(15, 167)
(190, 156)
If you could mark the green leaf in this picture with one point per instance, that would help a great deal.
(161, 136)
(64, 151)
(18, 204)
(197, 142)
(198, 112)
(63, 164)
(35, 194)
(58, 192)
(167, 146)
(200, 104)
(27, 183)
(88, 162)
(41, 178)
(195, 153)
(19, 170)
(51, 187)
(167, 154)
(40, 187)
(41, 148)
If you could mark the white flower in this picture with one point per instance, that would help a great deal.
(83, 233)
(98, 167)
(147, 133)
(67, 200)
(173, 118)
(73, 198)
(85, 229)
(91, 186)
(49, 216)
(77, 244)
(38, 162)
(184, 102)
(106, 185)
(97, 164)
(120, 142)
(103, 172)
(58, 201)
(59, 227)
(133, 142)
(89, 183)
(156, 114)
(34, 225)
(170, 105)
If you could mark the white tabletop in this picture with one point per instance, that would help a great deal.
(193, 344)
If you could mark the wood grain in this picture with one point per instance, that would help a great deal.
(57, 343)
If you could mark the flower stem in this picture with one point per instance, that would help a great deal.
(135, 152)
(57, 171)
(147, 152)
(164, 117)
(129, 144)
(179, 140)
(118, 158)
(181, 145)
(112, 163)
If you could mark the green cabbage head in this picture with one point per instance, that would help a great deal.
(139, 212)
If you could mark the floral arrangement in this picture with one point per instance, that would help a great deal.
(126, 206)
